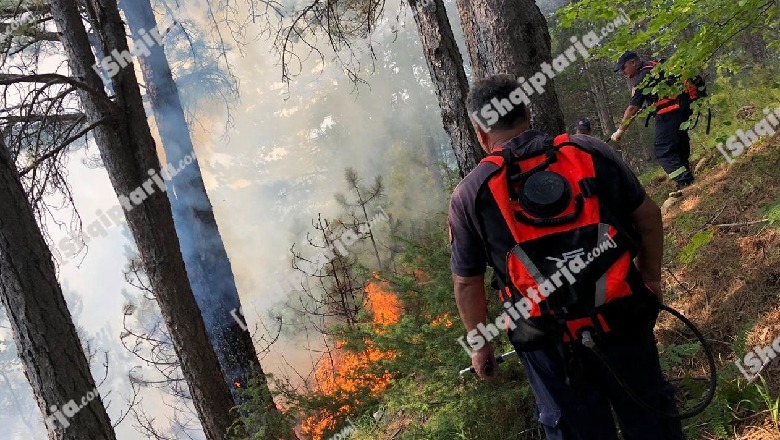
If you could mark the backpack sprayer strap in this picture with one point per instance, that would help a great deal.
(513, 180)
(647, 119)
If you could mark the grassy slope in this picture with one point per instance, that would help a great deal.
(727, 280)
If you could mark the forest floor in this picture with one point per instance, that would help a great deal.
(722, 270)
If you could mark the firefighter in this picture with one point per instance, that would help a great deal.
(582, 126)
(530, 208)
(672, 144)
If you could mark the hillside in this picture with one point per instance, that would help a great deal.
(723, 271)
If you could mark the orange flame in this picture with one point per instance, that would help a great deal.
(344, 373)
(384, 304)
(442, 320)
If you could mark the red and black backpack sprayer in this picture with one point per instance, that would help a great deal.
(560, 255)
(693, 89)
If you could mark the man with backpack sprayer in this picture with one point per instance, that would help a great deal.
(672, 144)
(533, 208)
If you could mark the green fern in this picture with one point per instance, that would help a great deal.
(675, 354)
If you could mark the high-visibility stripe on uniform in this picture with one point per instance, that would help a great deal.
(529, 264)
(677, 172)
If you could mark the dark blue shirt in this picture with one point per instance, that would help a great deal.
(637, 97)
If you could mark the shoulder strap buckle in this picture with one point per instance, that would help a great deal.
(588, 187)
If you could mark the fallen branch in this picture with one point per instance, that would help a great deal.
(729, 225)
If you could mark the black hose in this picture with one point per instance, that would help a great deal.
(710, 360)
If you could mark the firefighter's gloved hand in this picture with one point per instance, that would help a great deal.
(617, 135)
(485, 355)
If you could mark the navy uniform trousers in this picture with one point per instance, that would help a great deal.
(673, 146)
(582, 412)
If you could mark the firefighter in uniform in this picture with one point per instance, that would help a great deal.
(582, 126)
(672, 144)
(533, 206)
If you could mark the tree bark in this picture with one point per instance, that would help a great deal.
(205, 258)
(46, 339)
(449, 80)
(128, 152)
(755, 46)
(511, 37)
(600, 98)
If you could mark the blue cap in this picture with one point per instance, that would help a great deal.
(623, 59)
(582, 124)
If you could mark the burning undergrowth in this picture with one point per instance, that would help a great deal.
(347, 376)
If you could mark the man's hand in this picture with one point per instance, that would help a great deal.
(617, 135)
(655, 287)
(481, 357)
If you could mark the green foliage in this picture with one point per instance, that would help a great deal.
(740, 340)
(723, 40)
(693, 33)
(255, 422)
(737, 103)
(773, 212)
(772, 405)
(676, 354)
(699, 239)
(733, 401)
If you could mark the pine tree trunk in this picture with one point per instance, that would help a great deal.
(755, 46)
(449, 79)
(128, 152)
(207, 263)
(511, 37)
(46, 340)
(600, 98)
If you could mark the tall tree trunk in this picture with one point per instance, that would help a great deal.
(128, 152)
(600, 98)
(46, 339)
(449, 79)
(511, 36)
(205, 258)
